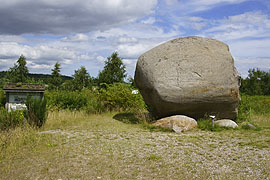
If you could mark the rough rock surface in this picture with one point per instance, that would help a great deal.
(177, 123)
(193, 76)
(226, 123)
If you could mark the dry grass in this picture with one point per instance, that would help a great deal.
(73, 145)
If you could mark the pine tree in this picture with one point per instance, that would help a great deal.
(19, 72)
(56, 79)
(114, 70)
(82, 79)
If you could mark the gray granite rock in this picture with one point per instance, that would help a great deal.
(193, 76)
(226, 123)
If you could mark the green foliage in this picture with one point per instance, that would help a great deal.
(244, 109)
(36, 111)
(11, 119)
(114, 70)
(2, 98)
(19, 72)
(131, 81)
(118, 96)
(72, 100)
(82, 79)
(206, 125)
(253, 105)
(94, 104)
(114, 97)
(257, 83)
(75, 100)
(33, 78)
(56, 79)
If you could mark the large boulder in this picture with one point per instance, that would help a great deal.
(193, 76)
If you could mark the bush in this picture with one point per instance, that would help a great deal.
(118, 96)
(36, 111)
(258, 105)
(73, 100)
(2, 98)
(11, 119)
(115, 97)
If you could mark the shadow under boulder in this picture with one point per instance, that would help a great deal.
(128, 118)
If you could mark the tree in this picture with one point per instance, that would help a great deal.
(19, 72)
(82, 79)
(257, 83)
(114, 70)
(56, 79)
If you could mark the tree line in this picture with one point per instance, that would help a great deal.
(256, 83)
(113, 71)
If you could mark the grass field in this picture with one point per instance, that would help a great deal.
(73, 145)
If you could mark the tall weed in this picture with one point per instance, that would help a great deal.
(253, 105)
(9, 120)
(2, 98)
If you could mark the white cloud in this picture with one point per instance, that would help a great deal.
(101, 59)
(76, 38)
(127, 40)
(244, 64)
(249, 24)
(150, 20)
(250, 48)
(11, 38)
(39, 56)
(73, 16)
(134, 51)
(130, 66)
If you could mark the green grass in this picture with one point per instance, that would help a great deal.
(113, 145)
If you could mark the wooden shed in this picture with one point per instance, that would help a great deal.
(16, 94)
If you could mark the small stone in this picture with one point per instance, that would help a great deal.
(226, 123)
(249, 126)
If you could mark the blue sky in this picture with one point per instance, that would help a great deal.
(85, 32)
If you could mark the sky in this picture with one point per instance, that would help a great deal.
(79, 33)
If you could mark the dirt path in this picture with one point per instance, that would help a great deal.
(100, 147)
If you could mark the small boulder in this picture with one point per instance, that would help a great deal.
(249, 126)
(177, 123)
(226, 123)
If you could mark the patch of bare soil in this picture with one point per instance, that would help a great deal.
(125, 151)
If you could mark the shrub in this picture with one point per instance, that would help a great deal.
(2, 98)
(118, 96)
(36, 111)
(11, 119)
(73, 100)
(94, 105)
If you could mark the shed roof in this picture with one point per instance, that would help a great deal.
(24, 87)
